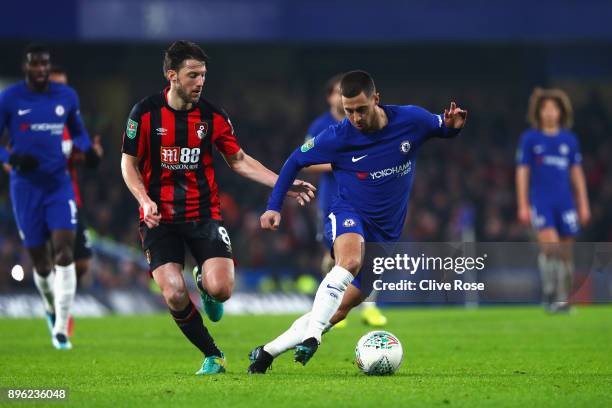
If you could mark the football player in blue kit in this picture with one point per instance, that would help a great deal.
(551, 191)
(372, 153)
(328, 190)
(35, 111)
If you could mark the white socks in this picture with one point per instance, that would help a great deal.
(65, 289)
(44, 284)
(327, 300)
(565, 276)
(548, 266)
(289, 339)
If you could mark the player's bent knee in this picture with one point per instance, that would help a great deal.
(353, 265)
(43, 268)
(221, 291)
(176, 297)
(64, 256)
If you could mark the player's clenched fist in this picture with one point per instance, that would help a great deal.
(270, 220)
(150, 214)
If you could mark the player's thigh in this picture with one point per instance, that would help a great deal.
(349, 251)
(353, 297)
(42, 258)
(345, 230)
(63, 240)
(28, 208)
(567, 223)
(211, 246)
(218, 277)
(208, 239)
(162, 245)
(61, 211)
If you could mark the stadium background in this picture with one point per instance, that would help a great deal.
(269, 62)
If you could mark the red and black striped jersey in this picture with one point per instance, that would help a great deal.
(174, 150)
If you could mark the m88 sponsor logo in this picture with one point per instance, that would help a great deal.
(180, 158)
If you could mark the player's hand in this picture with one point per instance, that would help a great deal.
(524, 215)
(23, 162)
(302, 191)
(152, 217)
(97, 146)
(7, 167)
(454, 118)
(270, 220)
(584, 215)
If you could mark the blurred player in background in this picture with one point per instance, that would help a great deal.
(328, 191)
(36, 111)
(373, 153)
(167, 165)
(550, 186)
(82, 244)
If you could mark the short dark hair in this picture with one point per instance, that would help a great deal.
(355, 82)
(35, 48)
(180, 51)
(331, 83)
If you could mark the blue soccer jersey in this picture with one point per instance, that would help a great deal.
(43, 199)
(550, 159)
(374, 171)
(328, 188)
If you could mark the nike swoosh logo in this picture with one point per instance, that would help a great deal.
(333, 287)
(23, 112)
(356, 159)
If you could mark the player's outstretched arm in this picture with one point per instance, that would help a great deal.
(580, 190)
(133, 180)
(522, 196)
(251, 168)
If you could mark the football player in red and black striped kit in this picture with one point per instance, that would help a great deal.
(167, 165)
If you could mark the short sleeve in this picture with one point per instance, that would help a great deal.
(133, 130)
(524, 152)
(224, 136)
(575, 156)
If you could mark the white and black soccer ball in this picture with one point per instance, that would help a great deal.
(378, 353)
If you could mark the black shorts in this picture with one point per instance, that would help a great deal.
(166, 243)
(82, 244)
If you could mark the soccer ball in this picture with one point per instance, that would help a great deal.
(378, 353)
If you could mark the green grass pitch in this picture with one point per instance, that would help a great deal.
(497, 356)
